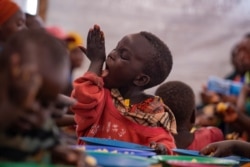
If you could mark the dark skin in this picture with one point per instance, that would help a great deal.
(227, 148)
(13, 24)
(183, 132)
(124, 66)
(34, 22)
(242, 55)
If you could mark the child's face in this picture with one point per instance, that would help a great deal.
(127, 61)
(14, 24)
(39, 89)
(242, 57)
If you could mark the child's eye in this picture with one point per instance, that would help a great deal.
(123, 54)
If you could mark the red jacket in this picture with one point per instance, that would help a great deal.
(96, 116)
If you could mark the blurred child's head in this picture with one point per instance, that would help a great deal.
(34, 21)
(139, 60)
(12, 19)
(241, 55)
(179, 97)
(37, 68)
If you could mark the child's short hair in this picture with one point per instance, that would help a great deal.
(179, 97)
(161, 64)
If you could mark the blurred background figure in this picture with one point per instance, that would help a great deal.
(73, 42)
(12, 19)
(240, 100)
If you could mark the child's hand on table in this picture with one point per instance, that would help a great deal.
(159, 148)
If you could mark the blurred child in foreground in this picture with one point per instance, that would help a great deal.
(34, 70)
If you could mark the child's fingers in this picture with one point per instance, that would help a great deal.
(208, 150)
(102, 37)
(89, 35)
(153, 145)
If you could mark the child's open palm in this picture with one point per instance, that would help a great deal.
(96, 45)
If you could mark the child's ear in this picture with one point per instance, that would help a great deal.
(142, 80)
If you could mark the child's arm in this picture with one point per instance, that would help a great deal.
(226, 148)
(88, 89)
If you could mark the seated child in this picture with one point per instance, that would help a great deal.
(112, 103)
(179, 97)
(34, 68)
(227, 148)
(240, 63)
(12, 19)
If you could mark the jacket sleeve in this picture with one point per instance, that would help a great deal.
(89, 93)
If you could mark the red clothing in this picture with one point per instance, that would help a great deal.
(96, 116)
(204, 136)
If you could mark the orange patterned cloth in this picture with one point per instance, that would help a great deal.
(7, 9)
(151, 112)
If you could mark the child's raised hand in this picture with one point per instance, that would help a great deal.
(159, 148)
(96, 45)
(218, 149)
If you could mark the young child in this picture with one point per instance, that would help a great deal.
(34, 68)
(12, 19)
(179, 97)
(112, 103)
(227, 148)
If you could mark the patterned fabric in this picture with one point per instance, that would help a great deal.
(151, 112)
